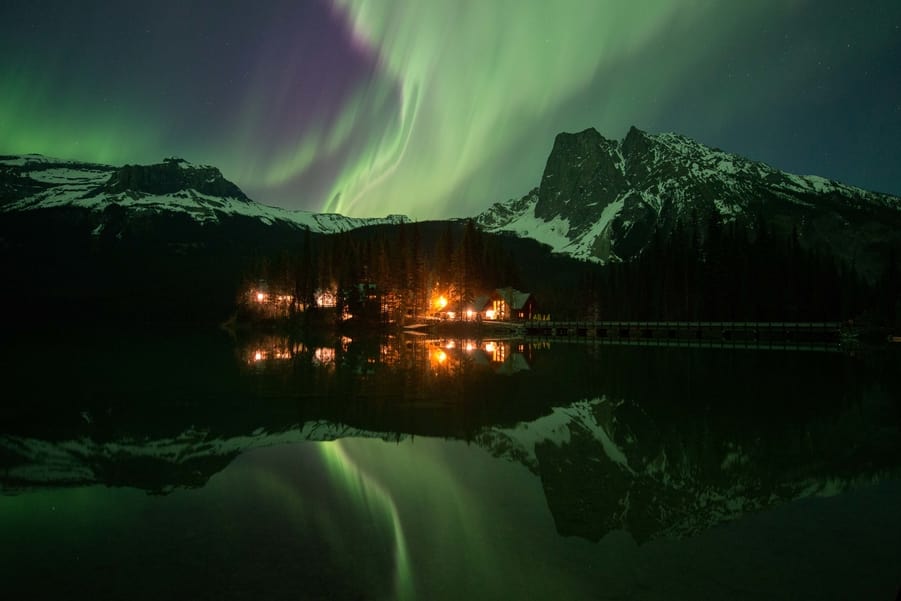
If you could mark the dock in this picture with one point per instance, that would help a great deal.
(747, 332)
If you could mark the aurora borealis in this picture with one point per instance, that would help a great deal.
(440, 108)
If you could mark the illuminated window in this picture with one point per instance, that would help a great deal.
(325, 298)
(500, 309)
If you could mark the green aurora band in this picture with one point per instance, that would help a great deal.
(469, 91)
(372, 497)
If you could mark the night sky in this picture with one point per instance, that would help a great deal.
(438, 108)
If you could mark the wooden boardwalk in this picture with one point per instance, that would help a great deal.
(755, 332)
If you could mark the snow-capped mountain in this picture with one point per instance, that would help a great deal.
(173, 187)
(606, 464)
(186, 460)
(602, 199)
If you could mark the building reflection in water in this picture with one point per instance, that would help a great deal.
(500, 356)
(418, 353)
(324, 356)
(272, 349)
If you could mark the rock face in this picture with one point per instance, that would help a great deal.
(170, 177)
(584, 172)
(601, 199)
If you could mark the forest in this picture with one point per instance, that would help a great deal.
(709, 270)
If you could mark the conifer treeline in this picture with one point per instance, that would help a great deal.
(715, 271)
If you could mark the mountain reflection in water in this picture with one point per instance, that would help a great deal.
(616, 447)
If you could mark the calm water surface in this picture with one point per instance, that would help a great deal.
(198, 464)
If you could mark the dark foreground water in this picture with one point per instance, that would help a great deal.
(198, 465)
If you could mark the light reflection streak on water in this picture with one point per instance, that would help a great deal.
(372, 496)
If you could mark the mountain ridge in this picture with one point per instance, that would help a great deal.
(601, 200)
(173, 186)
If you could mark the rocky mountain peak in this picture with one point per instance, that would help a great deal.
(582, 175)
(636, 143)
(171, 176)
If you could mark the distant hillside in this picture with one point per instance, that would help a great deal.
(172, 187)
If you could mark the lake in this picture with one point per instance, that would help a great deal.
(208, 465)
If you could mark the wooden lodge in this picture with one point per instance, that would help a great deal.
(502, 304)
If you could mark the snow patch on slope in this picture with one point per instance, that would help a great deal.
(527, 225)
(558, 428)
(583, 248)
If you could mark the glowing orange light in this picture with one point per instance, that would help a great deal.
(490, 347)
(258, 356)
(441, 302)
(450, 344)
(451, 314)
(469, 313)
(441, 356)
(470, 347)
(260, 296)
(324, 356)
(490, 314)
